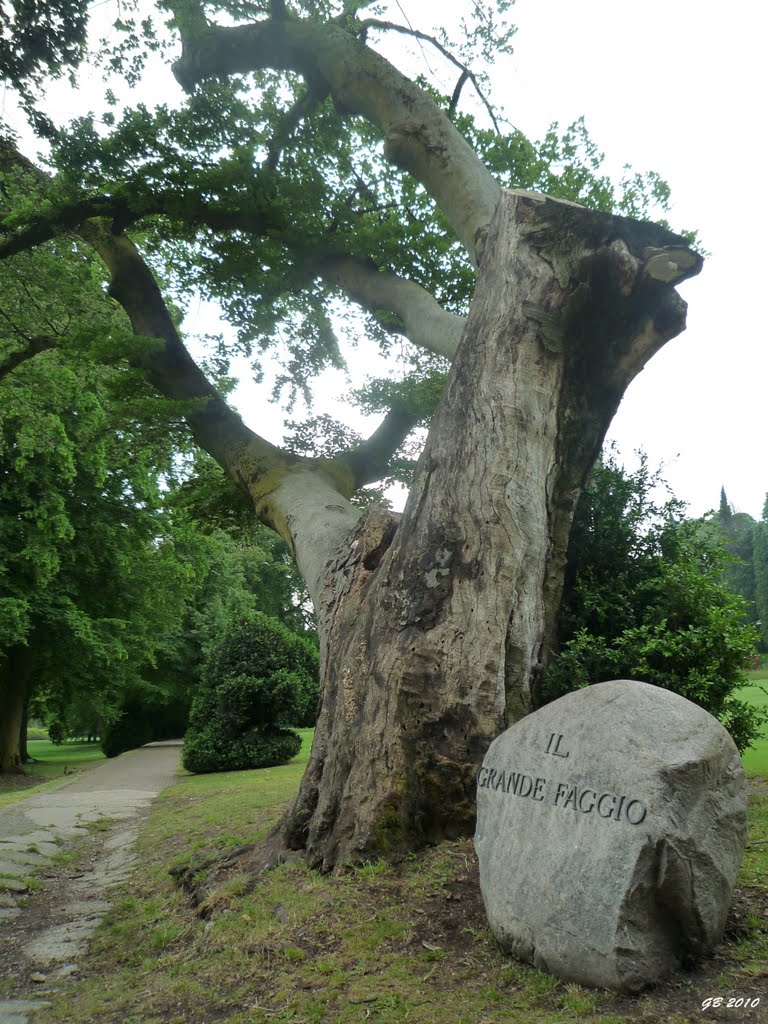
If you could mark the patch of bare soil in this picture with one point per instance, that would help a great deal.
(13, 783)
(43, 946)
(42, 911)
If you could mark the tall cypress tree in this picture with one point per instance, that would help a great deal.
(724, 512)
(760, 566)
(738, 530)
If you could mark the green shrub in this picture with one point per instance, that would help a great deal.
(258, 680)
(645, 599)
(257, 748)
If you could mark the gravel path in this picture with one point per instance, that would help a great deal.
(48, 911)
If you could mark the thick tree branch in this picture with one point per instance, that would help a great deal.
(425, 323)
(189, 15)
(418, 136)
(301, 499)
(57, 219)
(463, 78)
(251, 461)
(369, 461)
(247, 458)
(124, 210)
(40, 343)
(217, 428)
(304, 500)
(466, 74)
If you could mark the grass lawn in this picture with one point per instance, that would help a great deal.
(385, 944)
(53, 758)
(50, 761)
(756, 757)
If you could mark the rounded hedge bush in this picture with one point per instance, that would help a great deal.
(259, 680)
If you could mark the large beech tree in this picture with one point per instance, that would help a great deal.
(301, 167)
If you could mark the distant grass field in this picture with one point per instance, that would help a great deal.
(50, 761)
(755, 758)
(53, 758)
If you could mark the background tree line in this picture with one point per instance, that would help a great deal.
(746, 573)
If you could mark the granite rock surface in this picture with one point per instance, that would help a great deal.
(611, 826)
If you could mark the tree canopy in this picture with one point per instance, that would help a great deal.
(274, 191)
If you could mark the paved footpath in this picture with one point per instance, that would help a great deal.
(42, 943)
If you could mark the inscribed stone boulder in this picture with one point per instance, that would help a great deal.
(610, 829)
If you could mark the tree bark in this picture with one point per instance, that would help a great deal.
(15, 672)
(423, 321)
(23, 748)
(435, 632)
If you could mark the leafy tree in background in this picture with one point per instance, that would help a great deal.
(89, 581)
(304, 175)
(645, 599)
(232, 578)
(745, 572)
(246, 562)
(760, 570)
(239, 568)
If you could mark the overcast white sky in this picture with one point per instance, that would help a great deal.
(679, 87)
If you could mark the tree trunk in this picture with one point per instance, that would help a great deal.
(15, 672)
(23, 748)
(434, 632)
